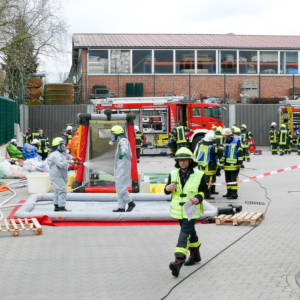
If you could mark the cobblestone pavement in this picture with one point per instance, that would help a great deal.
(131, 262)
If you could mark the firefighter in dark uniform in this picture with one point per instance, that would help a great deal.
(43, 146)
(139, 137)
(231, 162)
(181, 140)
(298, 140)
(186, 183)
(219, 137)
(172, 142)
(28, 136)
(289, 141)
(273, 138)
(35, 134)
(207, 155)
(238, 134)
(246, 135)
(282, 140)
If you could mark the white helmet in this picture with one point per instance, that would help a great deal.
(273, 124)
(69, 128)
(35, 142)
(209, 136)
(227, 131)
(13, 141)
(136, 128)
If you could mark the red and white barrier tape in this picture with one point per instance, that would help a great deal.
(260, 176)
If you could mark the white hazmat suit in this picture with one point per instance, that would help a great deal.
(122, 171)
(58, 170)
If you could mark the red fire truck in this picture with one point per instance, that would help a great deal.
(157, 116)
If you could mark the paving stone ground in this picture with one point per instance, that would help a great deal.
(131, 262)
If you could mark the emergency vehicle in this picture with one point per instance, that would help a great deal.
(290, 115)
(157, 116)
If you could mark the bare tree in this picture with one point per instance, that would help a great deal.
(28, 29)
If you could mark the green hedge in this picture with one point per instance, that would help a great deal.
(9, 114)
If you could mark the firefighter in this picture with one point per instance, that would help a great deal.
(246, 135)
(43, 146)
(219, 137)
(289, 141)
(28, 136)
(35, 134)
(298, 140)
(231, 162)
(238, 134)
(58, 162)
(282, 140)
(139, 137)
(207, 155)
(172, 142)
(68, 134)
(273, 138)
(181, 140)
(186, 183)
(122, 168)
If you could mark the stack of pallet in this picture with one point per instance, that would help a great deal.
(243, 217)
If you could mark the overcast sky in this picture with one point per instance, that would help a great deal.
(275, 17)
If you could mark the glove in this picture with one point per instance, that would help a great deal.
(121, 155)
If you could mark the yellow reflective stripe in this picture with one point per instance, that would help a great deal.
(194, 245)
(184, 251)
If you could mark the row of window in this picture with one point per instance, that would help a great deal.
(192, 61)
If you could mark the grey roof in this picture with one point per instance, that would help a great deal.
(105, 40)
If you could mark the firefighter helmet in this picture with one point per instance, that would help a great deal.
(209, 136)
(69, 128)
(183, 153)
(117, 130)
(273, 124)
(227, 131)
(244, 126)
(57, 141)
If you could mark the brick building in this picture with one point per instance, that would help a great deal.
(197, 65)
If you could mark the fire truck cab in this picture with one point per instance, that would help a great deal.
(157, 116)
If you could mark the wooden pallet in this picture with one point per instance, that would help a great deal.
(17, 225)
(253, 217)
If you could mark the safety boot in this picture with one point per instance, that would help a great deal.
(233, 195)
(228, 193)
(131, 206)
(61, 208)
(176, 265)
(119, 210)
(194, 256)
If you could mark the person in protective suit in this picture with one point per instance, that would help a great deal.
(231, 162)
(122, 169)
(246, 135)
(273, 138)
(207, 155)
(30, 150)
(58, 162)
(13, 151)
(139, 137)
(282, 140)
(186, 183)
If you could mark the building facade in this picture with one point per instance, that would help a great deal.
(197, 65)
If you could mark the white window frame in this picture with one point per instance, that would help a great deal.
(219, 61)
(216, 61)
(151, 67)
(277, 61)
(194, 61)
(173, 50)
(257, 62)
(129, 62)
(87, 61)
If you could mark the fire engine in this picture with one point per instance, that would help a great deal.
(157, 116)
(290, 115)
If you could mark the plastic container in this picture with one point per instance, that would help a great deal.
(38, 182)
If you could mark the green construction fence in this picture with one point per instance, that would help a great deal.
(9, 115)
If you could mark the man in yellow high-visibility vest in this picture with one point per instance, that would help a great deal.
(186, 183)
